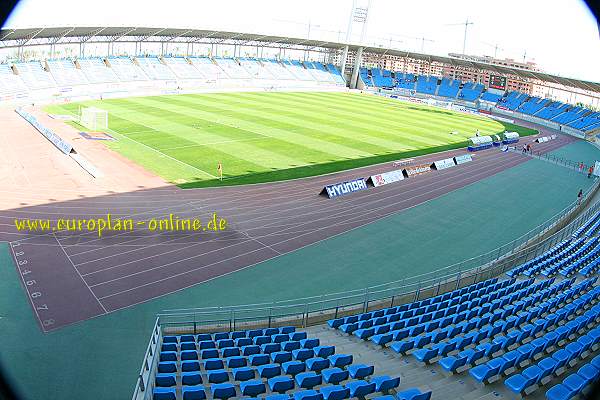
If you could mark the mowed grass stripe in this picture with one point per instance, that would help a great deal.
(420, 115)
(340, 123)
(252, 122)
(293, 153)
(392, 129)
(154, 115)
(304, 122)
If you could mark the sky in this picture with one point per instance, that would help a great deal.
(561, 36)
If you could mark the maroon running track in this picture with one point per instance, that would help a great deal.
(79, 276)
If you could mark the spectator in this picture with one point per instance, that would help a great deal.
(579, 197)
(590, 171)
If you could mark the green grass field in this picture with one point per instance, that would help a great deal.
(263, 137)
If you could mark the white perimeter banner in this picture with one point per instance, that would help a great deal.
(387, 177)
(597, 168)
(443, 164)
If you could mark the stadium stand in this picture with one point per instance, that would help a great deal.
(532, 105)
(298, 70)
(552, 110)
(126, 70)
(380, 79)
(585, 122)
(65, 73)
(278, 70)
(336, 73)
(10, 84)
(208, 68)
(34, 75)
(449, 88)
(275, 362)
(232, 68)
(471, 91)
(570, 115)
(255, 68)
(513, 100)
(492, 97)
(426, 84)
(96, 71)
(405, 81)
(154, 68)
(182, 68)
(366, 77)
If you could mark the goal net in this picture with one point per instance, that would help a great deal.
(94, 118)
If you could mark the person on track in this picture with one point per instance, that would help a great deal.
(579, 196)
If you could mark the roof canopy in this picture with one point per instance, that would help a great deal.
(10, 38)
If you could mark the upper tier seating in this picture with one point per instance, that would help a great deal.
(278, 70)
(155, 69)
(365, 77)
(336, 73)
(470, 91)
(34, 76)
(381, 80)
(586, 121)
(493, 97)
(65, 73)
(126, 70)
(298, 70)
(532, 105)
(96, 71)
(405, 81)
(426, 84)
(255, 69)
(513, 100)
(552, 110)
(208, 68)
(570, 115)
(449, 88)
(182, 68)
(10, 84)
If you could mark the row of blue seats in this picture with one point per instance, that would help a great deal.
(499, 365)
(246, 351)
(575, 383)
(207, 349)
(453, 364)
(442, 315)
(557, 248)
(568, 251)
(266, 369)
(587, 224)
(586, 248)
(489, 311)
(330, 370)
(254, 388)
(186, 344)
(421, 307)
(229, 335)
(471, 91)
(477, 329)
(591, 260)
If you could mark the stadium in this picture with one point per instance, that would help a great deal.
(194, 213)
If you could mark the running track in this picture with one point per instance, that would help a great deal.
(71, 277)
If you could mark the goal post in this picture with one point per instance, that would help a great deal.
(94, 118)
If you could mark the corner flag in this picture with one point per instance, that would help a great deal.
(220, 171)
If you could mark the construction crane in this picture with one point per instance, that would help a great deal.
(496, 48)
(466, 24)
(423, 39)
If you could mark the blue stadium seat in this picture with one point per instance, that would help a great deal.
(281, 384)
(193, 393)
(161, 393)
(293, 367)
(252, 388)
(413, 394)
(191, 378)
(217, 376)
(360, 388)
(243, 374)
(269, 370)
(308, 395)
(334, 375)
(308, 380)
(336, 392)
(384, 383)
(360, 371)
(222, 390)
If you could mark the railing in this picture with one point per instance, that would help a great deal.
(143, 387)
(317, 309)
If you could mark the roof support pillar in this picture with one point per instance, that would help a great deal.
(357, 61)
(343, 60)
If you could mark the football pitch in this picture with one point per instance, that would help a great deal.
(271, 136)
